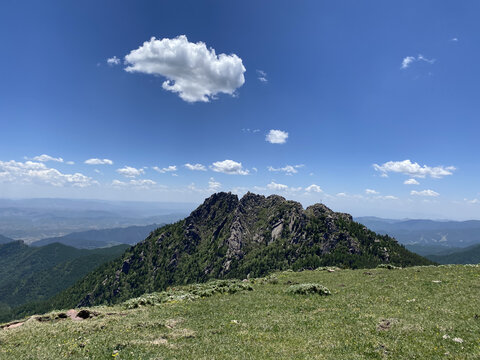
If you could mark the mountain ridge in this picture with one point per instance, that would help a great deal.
(227, 237)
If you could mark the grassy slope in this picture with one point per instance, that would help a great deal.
(268, 323)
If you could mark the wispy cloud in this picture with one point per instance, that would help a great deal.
(428, 192)
(288, 169)
(130, 172)
(46, 158)
(408, 60)
(171, 168)
(96, 161)
(262, 76)
(195, 167)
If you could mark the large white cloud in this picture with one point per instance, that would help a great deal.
(430, 193)
(38, 172)
(45, 158)
(195, 167)
(406, 167)
(229, 167)
(130, 172)
(96, 161)
(192, 70)
(276, 137)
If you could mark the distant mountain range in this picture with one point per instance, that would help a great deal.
(427, 235)
(35, 219)
(37, 273)
(92, 239)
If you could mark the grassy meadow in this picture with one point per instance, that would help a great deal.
(412, 313)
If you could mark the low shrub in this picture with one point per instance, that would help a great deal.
(305, 289)
(388, 266)
(188, 293)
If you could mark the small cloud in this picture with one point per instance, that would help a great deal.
(429, 193)
(277, 187)
(406, 167)
(97, 171)
(113, 61)
(70, 163)
(277, 137)
(96, 161)
(171, 168)
(262, 76)
(130, 172)
(454, 39)
(473, 201)
(229, 167)
(387, 197)
(411, 182)
(248, 130)
(288, 169)
(341, 194)
(46, 158)
(144, 183)
(313, 188)
(195, 167)
(407, 61)
(213, 185)
(371, 192)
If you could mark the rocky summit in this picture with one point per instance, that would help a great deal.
(228, 237)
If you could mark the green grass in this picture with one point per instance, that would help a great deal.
(370, 314)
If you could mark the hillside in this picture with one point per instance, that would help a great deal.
(102, 238)
(35, 274)
(470, 255)
(230, 238)
(4, 239)
(441, 234)
(412, 313)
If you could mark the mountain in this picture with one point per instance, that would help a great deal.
(427, 232)
(4, 239)
(469, 255)
(101, 238)
(37, 273)
(230, 238)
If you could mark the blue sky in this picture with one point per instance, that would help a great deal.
(354, 84)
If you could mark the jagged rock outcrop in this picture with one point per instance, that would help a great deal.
(231, 237)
